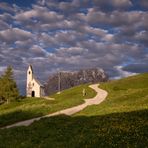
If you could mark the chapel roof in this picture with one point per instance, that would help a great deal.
(38, 81)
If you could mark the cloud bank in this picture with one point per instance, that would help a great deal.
(74, 34)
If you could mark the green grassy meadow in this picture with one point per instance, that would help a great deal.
(121, 121)
(34, 107)
(124, 95)
(112, 130)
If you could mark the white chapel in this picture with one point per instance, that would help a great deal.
(34, 88)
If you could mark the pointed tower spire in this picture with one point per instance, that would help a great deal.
(30, 73)
(29, 80)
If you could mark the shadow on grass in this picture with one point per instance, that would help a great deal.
(16, 116)
(113, 130)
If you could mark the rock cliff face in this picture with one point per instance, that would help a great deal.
(70, 79)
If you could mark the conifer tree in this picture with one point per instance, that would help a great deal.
(1, 90)
(8, 87)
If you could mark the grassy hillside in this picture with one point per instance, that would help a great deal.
(125, 95)
(120, 121)
(113, 130)
(34, 107)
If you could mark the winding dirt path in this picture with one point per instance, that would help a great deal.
(101, 95)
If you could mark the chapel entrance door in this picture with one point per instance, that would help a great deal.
(33, 94)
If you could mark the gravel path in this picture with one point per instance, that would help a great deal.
(101, 95)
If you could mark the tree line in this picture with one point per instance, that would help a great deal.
(8, 87)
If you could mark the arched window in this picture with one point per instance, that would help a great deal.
(29, 72)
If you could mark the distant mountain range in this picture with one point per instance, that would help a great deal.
(66, 79)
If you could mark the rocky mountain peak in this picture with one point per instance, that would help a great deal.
(70, 79)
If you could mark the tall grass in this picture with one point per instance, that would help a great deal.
(119, 130)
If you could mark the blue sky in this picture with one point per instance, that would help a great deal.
(73, 34)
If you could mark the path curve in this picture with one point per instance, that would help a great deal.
(101, 95)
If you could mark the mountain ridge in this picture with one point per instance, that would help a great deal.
(70, 79)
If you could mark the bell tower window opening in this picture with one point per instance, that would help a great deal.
(29, 72)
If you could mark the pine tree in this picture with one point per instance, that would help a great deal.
(8, 90)
(1, 91)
